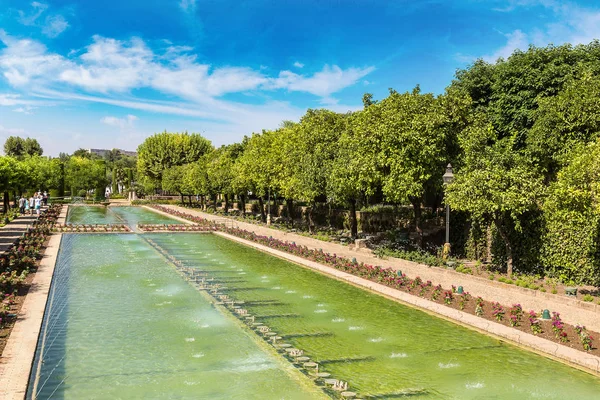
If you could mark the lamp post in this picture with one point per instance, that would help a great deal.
(269, 207)
(448, 178)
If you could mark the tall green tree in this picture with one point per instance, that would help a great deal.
(16, 146)
(354, 171)
(313, 154)
(495, 184)
(571, 250)
(164, 150)
(564, 122)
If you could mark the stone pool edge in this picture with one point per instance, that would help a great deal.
(574, 358)
(17, 359)
(185, 221)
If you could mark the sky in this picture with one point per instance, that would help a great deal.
(108, 74)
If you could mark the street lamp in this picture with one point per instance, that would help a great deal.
(269, 207)
(448, 178)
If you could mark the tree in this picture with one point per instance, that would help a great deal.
(564, 122)
(220, 171)
(571, 250)
(164, 150)
(312, 155)
(354, 170)
(495, 183)
(86, 174)
(173, 180)
(410, 135)
(16, 146)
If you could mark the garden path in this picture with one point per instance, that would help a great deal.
(10, 232)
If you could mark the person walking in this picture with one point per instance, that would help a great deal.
(22, 205)
(45, 198)
(31, 205)
(38, 204)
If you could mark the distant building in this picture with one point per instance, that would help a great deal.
(102, 152)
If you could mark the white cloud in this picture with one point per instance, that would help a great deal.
(188, 5)
(122, 123)
(515, 40)
(112, 72)
(55, 25)
(298, 64)
(571, 23)
(25, 61)
(330, 80)
(29, 19)
(11, 99)
(11, 131)
(25, 109)
(114, 66)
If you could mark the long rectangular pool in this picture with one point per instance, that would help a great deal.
(121, 322)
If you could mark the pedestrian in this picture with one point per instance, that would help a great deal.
(31, 205)
(38, 204)
(22, 205)
(45, 198)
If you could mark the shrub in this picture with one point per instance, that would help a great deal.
(479, 306)
(498, 312)
(534, 323)
(516, 314)
(584, 337)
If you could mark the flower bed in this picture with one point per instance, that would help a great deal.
(175, 228)
(16, 265)
(493, 311)
(87, 228)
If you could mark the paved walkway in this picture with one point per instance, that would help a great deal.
(10, 232)
(17, 357)
(572, 311)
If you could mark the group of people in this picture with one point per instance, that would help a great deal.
(32, 203)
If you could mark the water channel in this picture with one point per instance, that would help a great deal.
(121, 322)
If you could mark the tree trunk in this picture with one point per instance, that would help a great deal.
(309, 215)
(190, 199)
(290, 209)
(261, 205)
(6, 202)
(243, 204)
(506, 239)
(226, 203)
(353, 221)
(182, 200)
(488, 246)
(416, 203)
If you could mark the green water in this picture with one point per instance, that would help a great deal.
(380, 347)
(122, 324)
(116, 215)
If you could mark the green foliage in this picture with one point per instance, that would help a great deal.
(16, 146)
(566, 121)
(164, 150)
(86, 174)
(571, 250)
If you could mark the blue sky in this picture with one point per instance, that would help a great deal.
(109, 73)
